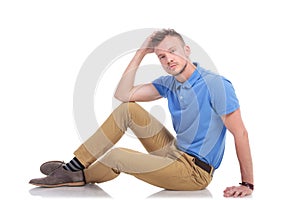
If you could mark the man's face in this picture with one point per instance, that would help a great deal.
(172, 54)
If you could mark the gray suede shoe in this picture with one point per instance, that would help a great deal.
(48, 167)
(60, 177)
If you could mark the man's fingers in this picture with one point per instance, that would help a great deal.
(243, 194)
(237, 191)
(237, 194)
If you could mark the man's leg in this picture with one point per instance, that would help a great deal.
(175, 171)
(152, 134)
(165, 166)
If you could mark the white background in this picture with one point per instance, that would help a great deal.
(43, 45)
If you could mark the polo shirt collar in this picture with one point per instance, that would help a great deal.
(193, 78)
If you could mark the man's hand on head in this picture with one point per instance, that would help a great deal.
(147, 46)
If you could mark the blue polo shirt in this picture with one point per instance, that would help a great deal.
(196, 107)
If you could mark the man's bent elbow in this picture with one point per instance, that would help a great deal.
(121, 98)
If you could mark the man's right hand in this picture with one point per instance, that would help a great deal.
(147, 46)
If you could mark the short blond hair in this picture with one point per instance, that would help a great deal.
(160, 36)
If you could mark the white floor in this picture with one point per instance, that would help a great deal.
(14, 185)
(124, 187)
(96, 191)
(116, 191)
(127, 188)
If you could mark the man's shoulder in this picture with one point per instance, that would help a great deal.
(214, 82)
(165, 80)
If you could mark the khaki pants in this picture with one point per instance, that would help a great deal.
(165, 166)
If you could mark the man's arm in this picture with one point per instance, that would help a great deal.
(126, 91)
(235, 125)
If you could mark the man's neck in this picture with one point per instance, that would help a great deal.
(186, 74)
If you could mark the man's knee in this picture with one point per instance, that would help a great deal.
(129, 107)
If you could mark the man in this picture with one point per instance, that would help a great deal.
(203, 106)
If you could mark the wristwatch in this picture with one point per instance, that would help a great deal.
(248, 185)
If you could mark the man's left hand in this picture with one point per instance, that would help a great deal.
(237, 191)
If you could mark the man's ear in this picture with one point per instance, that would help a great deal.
(187, 50)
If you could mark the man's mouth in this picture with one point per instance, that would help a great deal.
(172, 66)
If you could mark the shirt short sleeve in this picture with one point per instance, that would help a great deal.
(162, 84)
(223, 96)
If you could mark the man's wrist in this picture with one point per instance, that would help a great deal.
(142, 52)
(248, 185)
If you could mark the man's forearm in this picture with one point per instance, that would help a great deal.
(126, 84)
(244, 157)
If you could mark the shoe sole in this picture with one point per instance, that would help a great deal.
(75, 184)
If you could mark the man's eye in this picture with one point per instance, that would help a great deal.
(161, 57)
(172, 51)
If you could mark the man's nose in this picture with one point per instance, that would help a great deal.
(170, 58)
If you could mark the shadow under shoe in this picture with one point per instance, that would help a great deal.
(60, 177)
